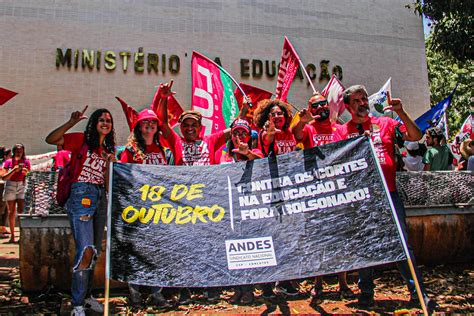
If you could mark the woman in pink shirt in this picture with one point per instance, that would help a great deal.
(14, 173)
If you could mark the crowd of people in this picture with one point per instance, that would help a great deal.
(153, 141)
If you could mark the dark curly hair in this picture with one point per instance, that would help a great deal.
(92, 136)
(261, 114)
(137, 143)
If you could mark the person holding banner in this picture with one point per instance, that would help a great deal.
(87, 205)
(315, 128)
(239, 148)
(144, 147)
(383, 132)
(273, 118)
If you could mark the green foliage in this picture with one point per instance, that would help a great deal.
(452, 26)
(444, 72)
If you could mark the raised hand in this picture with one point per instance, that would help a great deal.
(306, 116)
(165, 89)
(270, 128)
(78, 116)
(243, 148)
(395, 105)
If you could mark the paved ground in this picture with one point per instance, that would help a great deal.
(453, 287)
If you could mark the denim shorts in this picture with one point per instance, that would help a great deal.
(14, 190)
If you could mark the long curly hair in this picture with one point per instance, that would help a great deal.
(92, 136)
(262, 113)
(137, 143)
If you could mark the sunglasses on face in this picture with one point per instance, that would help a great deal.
(319, 103)
(242, 134)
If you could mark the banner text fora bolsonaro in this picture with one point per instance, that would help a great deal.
(313, 212)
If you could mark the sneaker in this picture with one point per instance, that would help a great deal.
(346, 293)
(94, 304)
(267, 291)
(184, 297)
(78, 311)
(212, 295)
(366, 300)
(247, 298)
(286, 288)
(157, 299)
(135, 297)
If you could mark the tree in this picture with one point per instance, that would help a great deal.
(452, 26)
(444, 72)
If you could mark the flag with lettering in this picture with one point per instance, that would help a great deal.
(212, 94)
(286, 73)
(255, 94)
(333, 93)
(6, 95)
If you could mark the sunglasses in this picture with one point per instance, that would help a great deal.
(319, 103)
(242, 134)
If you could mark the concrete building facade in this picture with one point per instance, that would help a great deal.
(363, 41)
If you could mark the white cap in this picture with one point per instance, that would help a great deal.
(412, 145)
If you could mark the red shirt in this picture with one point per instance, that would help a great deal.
(383, 136)
(284, 142)
(92, 165)
(318, 133)
(200, 152)
(154, 155)
(17, 176)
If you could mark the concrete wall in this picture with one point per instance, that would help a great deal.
(370, 40)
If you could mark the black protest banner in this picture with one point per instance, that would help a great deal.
(313, 212)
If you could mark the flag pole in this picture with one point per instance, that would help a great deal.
(400, 232)
(107, 251)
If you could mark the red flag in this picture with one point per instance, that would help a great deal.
(212, 94)
(333, 93)
(6, 95)
(255, 94)
(174, 108)
(288, 66)
(131, 114)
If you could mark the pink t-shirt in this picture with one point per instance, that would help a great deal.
(61, 159)
(318, 133)
(17, 176)
(284, 142)
(200, 152)
(92, 165)
(383, 136)
(154, 155)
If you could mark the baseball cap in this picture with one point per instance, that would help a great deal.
(412, 145)
(195, 115)
(240, 124)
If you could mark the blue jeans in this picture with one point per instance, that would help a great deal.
(87, 211)
(366, 284)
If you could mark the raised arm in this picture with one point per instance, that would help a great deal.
(56, 136)
(162, 108)
(413, 132)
